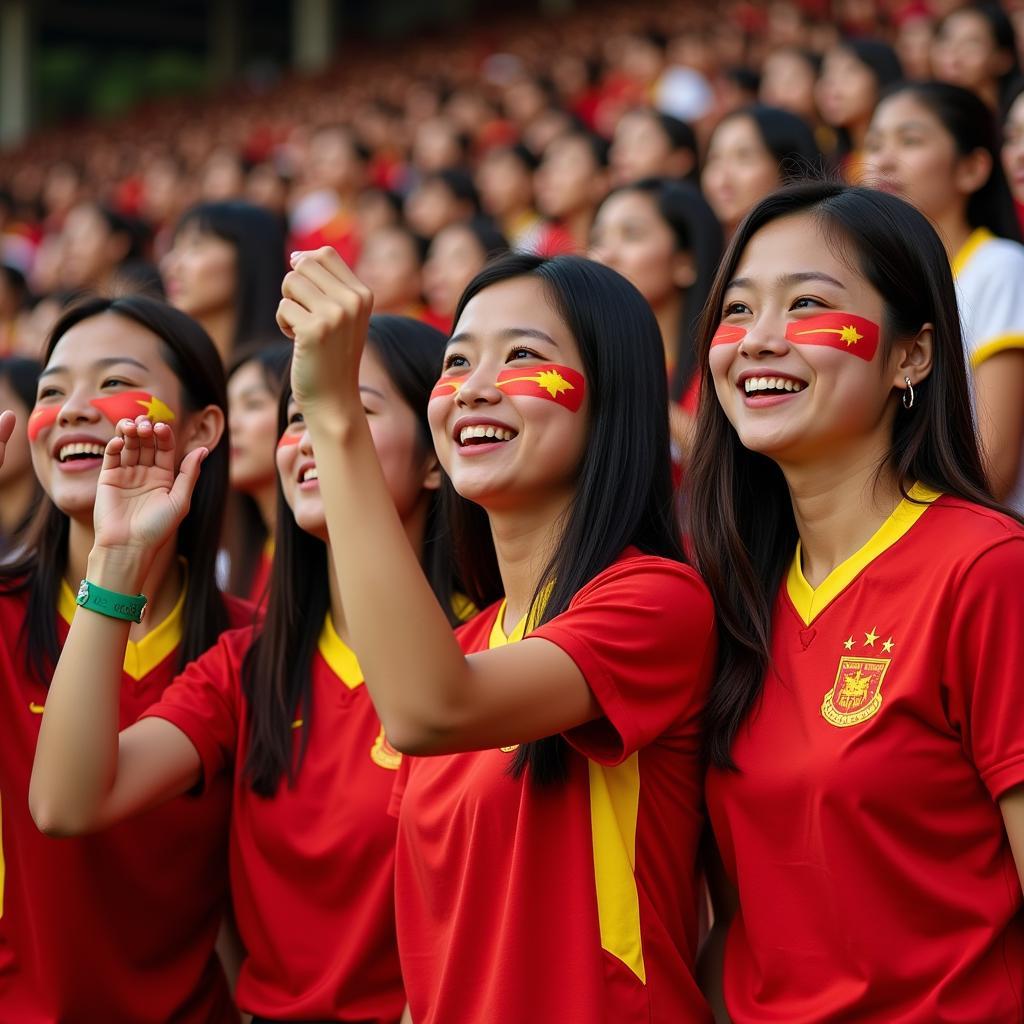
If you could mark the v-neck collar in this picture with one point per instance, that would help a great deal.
(340, 658)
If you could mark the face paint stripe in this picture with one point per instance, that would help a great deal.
(42, 416)
(844, 331)
(445, 389)
(728, 334)
(560, 384)
(129, 404)
(288, 439)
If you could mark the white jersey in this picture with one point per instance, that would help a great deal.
(989, 273)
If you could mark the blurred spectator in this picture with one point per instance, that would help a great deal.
(974, 47)
(915, 29)
(19, 489)
(570, 182)
(225, 270)
(751, 153)
(788, 80)
(505, 182)
(441, 198)
(391, 266)
(13, 303)
(1013, 146)
(95, 243)
(647, 144)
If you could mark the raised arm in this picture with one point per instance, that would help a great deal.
(86, 776)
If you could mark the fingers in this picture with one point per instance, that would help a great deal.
(333, 277)
(187, 478)
(141, 443)
(131, 446)
(112, 453)
(7, 421)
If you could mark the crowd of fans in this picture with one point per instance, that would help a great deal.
(637, 134)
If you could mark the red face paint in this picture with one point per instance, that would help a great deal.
(288, 439)
(43, 416)
(560, 384)
(445, 389)
(126, 405)
(727, 334)
(843, 331)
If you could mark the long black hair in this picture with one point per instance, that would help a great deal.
(972, 126)
(258, 239)
(624, 490)
(740, 518)
(276, 676)
(697, 231)
(22, 374)
(788, 138)
(191, 356)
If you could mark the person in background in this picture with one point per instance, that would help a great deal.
(223, 268)
(753, 151)
(1013, 146)
(571, 181)
(649, 144)
(505, 183)
(96, 244)
(974, 47)
(19, 488)
(935, 145)
(14, 301)
(254, 378)
(788, 81)
(441, 198)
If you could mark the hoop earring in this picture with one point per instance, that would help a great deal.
(908, 393)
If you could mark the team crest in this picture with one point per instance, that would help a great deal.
(383, 753)
(856, 694)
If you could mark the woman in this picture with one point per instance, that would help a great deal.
(854, 73)
(1013, 147)
(974, 47)
(750, 153)
(649, 144)
(282, 712)
(663, 237)
(19, 489)
(570, 182)
(224, 268)
(558, 783)
(100, 248)
(78, 915)
(865, 696)
(254, 384)
(935, 145)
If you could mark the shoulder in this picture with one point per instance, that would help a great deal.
(968, 530)
(999, 258)
(651, 578)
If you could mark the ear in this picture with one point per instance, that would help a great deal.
(432, 479)
(972, 171)
(204, 429)
(913, 358)
(684, 271)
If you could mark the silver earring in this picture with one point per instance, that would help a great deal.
(908, 395)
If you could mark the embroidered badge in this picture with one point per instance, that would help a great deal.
(384, 754)
(856, 694)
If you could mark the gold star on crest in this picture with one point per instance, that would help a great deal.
(848, 643)
(552, 382)
(888, 645)
(157, 411)
(870, 638)
(850, 335)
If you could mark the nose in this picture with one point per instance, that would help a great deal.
(479, 388)
(78, 409)
(306, 444)
(765, 338)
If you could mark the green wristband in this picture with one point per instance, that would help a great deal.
(129, 607)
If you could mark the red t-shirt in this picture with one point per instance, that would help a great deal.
(577, 901)
(312, 868)
(120, 925)
(876, 882)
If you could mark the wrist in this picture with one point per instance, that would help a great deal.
(334, 421)
(120, 569)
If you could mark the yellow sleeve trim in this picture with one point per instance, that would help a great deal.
(1000, 343)
(977, 239)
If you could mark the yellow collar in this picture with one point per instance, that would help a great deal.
(810, 602)
(340, 658)
(498, 638)
(140, 657)
(977, 238)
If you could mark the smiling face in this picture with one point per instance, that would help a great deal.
(409, 469)
(96, 361)
(513, 441)
(739, 171)
(793, 401)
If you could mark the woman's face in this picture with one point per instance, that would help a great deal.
(505, 185)
(641, 149)
(252, 415)
(501, 447)
(454, 259)
(18, 459)
(1013, 148)
(568, 179)
(390, 267)
(787, 81)
(802, 402)
(909, 153)
(631, 236)
(97, 360)
(739, 170)
(90, 250)
(200, 273)
(409, 469)
(847, 89)
(964, 52)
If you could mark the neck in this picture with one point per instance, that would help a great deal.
(838, 504)
(162, 585)
(668, 314)
(524, 544)
(953, 229)
(220, 325)
(19, 494)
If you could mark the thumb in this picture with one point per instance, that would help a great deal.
(187, 478)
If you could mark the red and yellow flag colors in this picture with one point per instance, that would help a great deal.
(560, 384)
(727, 334)
(43, 416)
(126, 405)
(844, 331)
(446, 389)
(288, 438)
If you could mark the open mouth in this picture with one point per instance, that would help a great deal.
(310, 473)
(484, 434)
(772, 385)
(80, 452)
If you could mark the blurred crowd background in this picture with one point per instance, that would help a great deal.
(639, 133)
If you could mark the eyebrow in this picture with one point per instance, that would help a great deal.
(100, 364)
(507, 334)
(784, 279)
(372, 391)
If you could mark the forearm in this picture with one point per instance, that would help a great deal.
(415, 671)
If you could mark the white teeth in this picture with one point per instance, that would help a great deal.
(310, 474)
(68, 450)
(488, 431)
(752, 384)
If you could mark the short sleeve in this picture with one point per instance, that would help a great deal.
(205, 702)
(643, 635)
(994, 301)
(984, 665)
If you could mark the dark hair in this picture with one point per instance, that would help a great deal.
(276, 672)
(487, 234)
(624, 491)
(259, 243)
(135, 232)
(678, 134)
(596, 144)
(245, 533)
(190, 354)
(1013, 92)
(525, 156)
(459, 183)
(1003, 36)
(787, 137)
(883, 63)
(740, 519)
(697, 231)
(22, 375)
(972, 126)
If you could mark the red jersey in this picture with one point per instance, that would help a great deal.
(120, 925)
(876, 882)
(575, 901)
(312, 868)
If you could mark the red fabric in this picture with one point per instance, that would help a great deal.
(117, 926)
(495, 876)
(876, 883)
(259, 589)
(312, 869)
(553, 239)
(340, 232)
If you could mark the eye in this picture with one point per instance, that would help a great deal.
(47, 393)
(295, 417)
(113, 382)
(521, 353)
(735, 308)
(806, 302)
(455, 361)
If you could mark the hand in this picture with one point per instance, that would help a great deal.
(326, 311)
(140, 500)
(7, 421)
